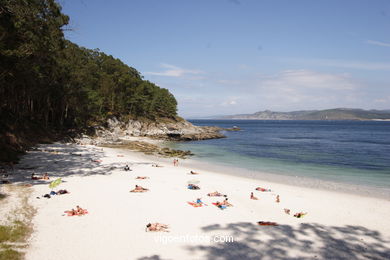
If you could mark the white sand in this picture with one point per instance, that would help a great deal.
(338, 226)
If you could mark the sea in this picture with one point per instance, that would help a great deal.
(342, 152)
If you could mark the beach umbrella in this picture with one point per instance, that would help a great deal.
(55, 183)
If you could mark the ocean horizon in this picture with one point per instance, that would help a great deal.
(343, 152)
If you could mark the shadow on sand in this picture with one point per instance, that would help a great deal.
(59, 160)
(307, 241)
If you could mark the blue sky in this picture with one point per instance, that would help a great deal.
(242, 56)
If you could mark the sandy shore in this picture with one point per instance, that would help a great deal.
(337, 226)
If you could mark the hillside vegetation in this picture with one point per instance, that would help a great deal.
(48, 83)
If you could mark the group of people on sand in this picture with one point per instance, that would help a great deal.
(36, 177)
(277, 200)
(76, 212)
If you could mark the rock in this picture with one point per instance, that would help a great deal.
(179, 130)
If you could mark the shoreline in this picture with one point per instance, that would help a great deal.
(297, 181)
(335, 224)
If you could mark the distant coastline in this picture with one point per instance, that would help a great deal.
(328, 114)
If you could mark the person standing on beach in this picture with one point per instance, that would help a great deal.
(253, 197)
(277, 199)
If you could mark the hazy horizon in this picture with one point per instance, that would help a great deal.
(243, 56)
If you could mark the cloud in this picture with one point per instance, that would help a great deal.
(360, 65)
(230, 102)
(306, 79)
(174, 71)
(305, 89)
(378, 43)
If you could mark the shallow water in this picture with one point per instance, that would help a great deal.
(351, 152)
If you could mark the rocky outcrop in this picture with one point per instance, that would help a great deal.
(116, 131)
(149, 148)
(162, 129)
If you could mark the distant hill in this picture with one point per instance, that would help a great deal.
(328, 114)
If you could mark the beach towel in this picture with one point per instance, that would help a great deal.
(195, 205)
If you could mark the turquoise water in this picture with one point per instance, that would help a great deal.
(337, 151)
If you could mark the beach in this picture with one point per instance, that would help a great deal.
(337, 225)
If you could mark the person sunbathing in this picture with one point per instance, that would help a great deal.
(36, 177)
(215, 194)
(253, 197)
(80, 211)
(262, 189)
(199, 202)
(141, 177)
(192, 172)
(76, 212)
(226, 203)
(300, 214)
(156, 165)
(220, 205)
(60, 192)
(156, 227)
(267, 223)
(72, 212)
(193, 187)
(139, 189)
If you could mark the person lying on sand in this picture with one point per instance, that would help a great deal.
(139, 189)
(120, 155)
(220, 205)
(141, 177)
(262, 189)
(300, 214)
(127, 168)
(226, 203)
(76, 212)
(60, 192)
(215, 194)
(267, 223)
(156, 165)
(192, 172)
(156, 227)
(96, 160)
(4, 178)
(36, 177)
(253, 197)
(199, 202)
(193, 187)
(80, 211)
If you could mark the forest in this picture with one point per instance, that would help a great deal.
(51, 85)
(58, 84)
